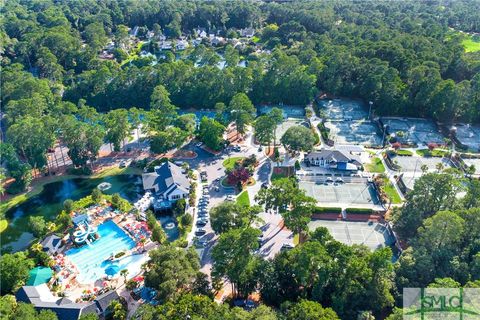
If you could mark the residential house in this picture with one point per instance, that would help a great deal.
(166, 45)
(134, 31)
(168, 182)
(200, 33)
(150, 35)
(334, 159)
(217, 41)
(182, 45)
(247, 32)
(42, 299)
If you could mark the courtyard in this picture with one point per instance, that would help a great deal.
(372, 234)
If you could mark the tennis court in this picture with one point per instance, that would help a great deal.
(411, 164)
(468, 135)
(474, 162)
(413, 131)
(343, 109)
(358, 132)
(344, 194)
(371, 234)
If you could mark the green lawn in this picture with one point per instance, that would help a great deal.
(243, 198)
(407, 153)
(391, 191)
(434, 153)
(471, 45)
(375, 165)
(3, 225)
(230, 162)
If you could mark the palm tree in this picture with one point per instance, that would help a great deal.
(37, 247)
(124, 274)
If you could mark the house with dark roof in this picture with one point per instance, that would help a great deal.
(334, 159)
(52, 244)
(167, 182)
(42, 299)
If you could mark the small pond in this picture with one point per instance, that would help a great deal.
(49, 203)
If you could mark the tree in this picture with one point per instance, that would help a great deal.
(236, 262)
(432, 192)
(186, 122)
(14, 271)
(124, 274)
(472, 198)
(238, 176)
(68, 205)
(37, 226)
(18, 170)
(97, 195)
(309, 310)
(166, 140)
(264, 130)
(158, 234)
(95, 36)
(171, 271)
(230, 215)
(118, 128)
(298, 138)
(210, 132)
(121, 36)
(162, 110)
(82, 139)
(241, 111)
(32, 137)
(179, 206)
(118, 310)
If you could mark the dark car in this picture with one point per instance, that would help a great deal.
(265, 185)
(201, 223)
(200, 232)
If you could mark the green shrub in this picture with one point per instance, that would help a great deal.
(319, 210)
(359, 211)
(186, 220)
(120, 254)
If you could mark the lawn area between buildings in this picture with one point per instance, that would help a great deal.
(439, 153)
(404, 153)
(391, 192)
(375, 165)
(230, 162)
(243, 199)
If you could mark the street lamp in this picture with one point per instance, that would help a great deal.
(370, 109)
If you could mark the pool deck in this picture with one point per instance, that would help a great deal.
(76, 291)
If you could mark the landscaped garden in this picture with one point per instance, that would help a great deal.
(243, 199)
(432, 153)
(229, 163)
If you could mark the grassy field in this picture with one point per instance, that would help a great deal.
(391, 191)
(375, 165)
(407, 153)
(471, 45)
(434, 153)
(243, 198)
(230, 162)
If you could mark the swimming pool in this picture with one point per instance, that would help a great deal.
(90, 260)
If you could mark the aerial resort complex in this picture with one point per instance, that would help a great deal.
(243, 159)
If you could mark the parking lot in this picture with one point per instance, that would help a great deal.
(414, 131)
(414, 164)
(371, 234)
(346, 194)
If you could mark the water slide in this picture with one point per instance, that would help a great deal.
(82, 235)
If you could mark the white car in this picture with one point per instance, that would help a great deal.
(230, 198)
(199, 144)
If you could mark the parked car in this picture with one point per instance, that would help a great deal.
(201, 223)
(200, 232)
(122, 164)
(287, 246)
(339, 180)
(199, 144)
(217, 188)
(329, 179)
(230, 198)
(265, 185)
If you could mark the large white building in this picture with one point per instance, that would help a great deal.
(167, 182)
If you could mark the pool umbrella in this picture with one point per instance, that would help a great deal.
(39, 275)
(112, 270)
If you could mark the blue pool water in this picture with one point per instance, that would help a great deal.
(90, 260)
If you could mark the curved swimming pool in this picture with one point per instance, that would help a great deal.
(91, 259)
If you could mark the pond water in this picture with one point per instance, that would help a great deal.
(169, 224)
(49, 203)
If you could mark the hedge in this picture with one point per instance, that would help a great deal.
(320, 210)
(359, 211)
